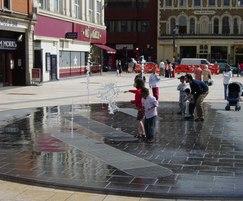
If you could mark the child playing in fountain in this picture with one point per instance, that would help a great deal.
(189, 104)
(139, 84)
(181, 87)
(150, 105)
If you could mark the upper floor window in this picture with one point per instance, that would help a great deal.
(91, 10)
(183, 3)
(211, 2)
(182, 25)
(197, 2)
(44, 4)
(76, 9)
(58, 6)
(172, 25)
(168, 3)
(192, 26)
(98, 12)
(236, 26)
(216, 26)
(143, 26)
(225, 25)
(226, 3)
(142, 3)
(6, 4)
(240, 3)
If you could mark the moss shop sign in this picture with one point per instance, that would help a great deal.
(8, 44)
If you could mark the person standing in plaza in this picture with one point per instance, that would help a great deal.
(227, 75)
(198, 73)
(150, 105)
(162, 68)
(154, 83)
(206, 75)
(199, 90)
(139, 84)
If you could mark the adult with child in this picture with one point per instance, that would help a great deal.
(199, 91)
(150, 105)
(154, 83)
(139, 84)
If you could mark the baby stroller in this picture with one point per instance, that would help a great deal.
(234, 93)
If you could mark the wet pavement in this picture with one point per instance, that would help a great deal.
(84, 147)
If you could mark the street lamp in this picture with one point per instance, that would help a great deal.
(174, 32)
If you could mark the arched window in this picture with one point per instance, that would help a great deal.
(168, 3)
(225, 25)
(204, 25)
(236, 26)
(192, 26)
(216, 26)
(182, 25)
(172, 25)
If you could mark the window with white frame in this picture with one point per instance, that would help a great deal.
(192, 26)
(44, 4)
(76, 8)
(99, 12)
(226, 2)
(168, 3)
(183, 3)
(91, 10)
(197, 3)
(172, 25)
(6, 4)
(225, 25)
(211, 2)
(58, 6)
(240, 3)
(216, 26)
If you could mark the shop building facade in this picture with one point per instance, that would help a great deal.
(65, 33)
(211, 29)
(132, 28)
(16, 42)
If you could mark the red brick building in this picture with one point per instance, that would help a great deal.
(16, 42)
(132, 28)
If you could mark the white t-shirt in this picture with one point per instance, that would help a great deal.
(161, 65)
(154, 80)
(150, 105)
(227, 77)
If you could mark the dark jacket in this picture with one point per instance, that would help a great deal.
(198, 87)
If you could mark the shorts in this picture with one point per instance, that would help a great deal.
(140, 115)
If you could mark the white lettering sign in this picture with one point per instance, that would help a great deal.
(8, 22)
(204, 12)
(7, 44)
(94, 34)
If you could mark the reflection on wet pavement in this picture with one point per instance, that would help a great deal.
(206, 158)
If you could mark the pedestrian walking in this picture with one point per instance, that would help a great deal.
(162, 68)
(198, 73)
(150, 105)
(206, 75)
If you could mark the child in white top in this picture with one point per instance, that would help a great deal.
(181, 87)
(150, 105)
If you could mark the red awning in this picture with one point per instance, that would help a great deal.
(109, 50)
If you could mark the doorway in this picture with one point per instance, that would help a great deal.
(7, 64)
(188, 51)
(53, 71)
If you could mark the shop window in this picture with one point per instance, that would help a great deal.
(6, 4)
(203, 49)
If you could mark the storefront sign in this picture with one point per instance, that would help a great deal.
(8, 22)
(92, 34)
(204, 12)
(71, 35)
(127, 46)
(8, 44)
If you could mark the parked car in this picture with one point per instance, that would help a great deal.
(148, 67)
(187, 65)
(223, 63)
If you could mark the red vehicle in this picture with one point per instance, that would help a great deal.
(187, 65)
(148, 67)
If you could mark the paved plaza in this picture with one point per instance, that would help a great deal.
(61, 135)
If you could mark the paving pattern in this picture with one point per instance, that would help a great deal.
(49, 146)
